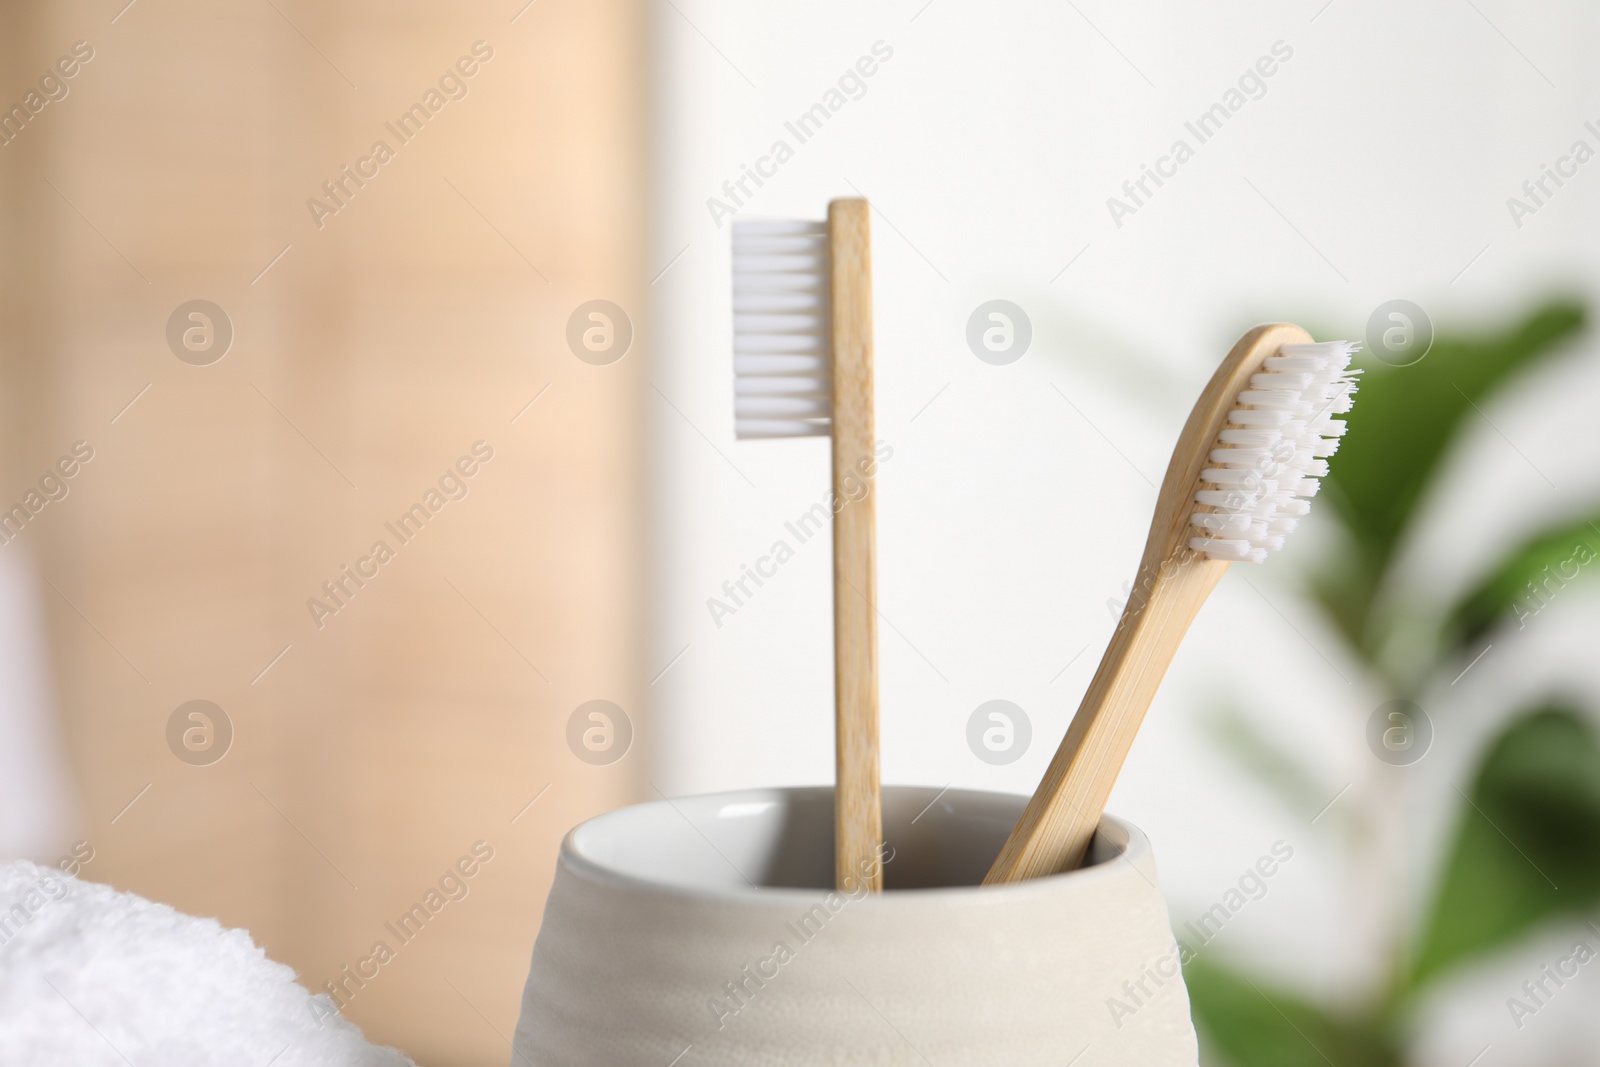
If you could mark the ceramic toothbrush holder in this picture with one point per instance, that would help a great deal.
(705, 932)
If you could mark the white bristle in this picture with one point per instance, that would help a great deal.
(786, 407)
(1241, 457)
(1236, 551)
(806, 302)
(780, 427)
(1250, 438)
(1269, 459)
(1270, 380)
(1258, 418)
(776, 322)
(767, 280)
(801, 245)
(810, 365)
(782, 369)
(1222, 524)
(1227, 502)
(772, 344)
(775, 385)
(1228, 477)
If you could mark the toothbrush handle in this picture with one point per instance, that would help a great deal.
(858, 807)
(1055, 829)
(1174, 581)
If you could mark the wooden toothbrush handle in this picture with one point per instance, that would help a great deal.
(1174, 581)
(1055, 829)
(858, 804)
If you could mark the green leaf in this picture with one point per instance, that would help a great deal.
(1400, 429)
(1528, 844)
(1526, 580)
(1247, 1023)
(1345, 590)
(1276, 769)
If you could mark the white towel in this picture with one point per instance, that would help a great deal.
(91, 976)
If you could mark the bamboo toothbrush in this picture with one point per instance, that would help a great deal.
(1250, 454)
(802, 367)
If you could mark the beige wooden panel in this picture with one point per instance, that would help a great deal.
(421, 318)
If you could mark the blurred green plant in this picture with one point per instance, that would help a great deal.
(1526, 840)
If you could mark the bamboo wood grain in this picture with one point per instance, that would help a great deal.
(1173, 582)
(858, 808)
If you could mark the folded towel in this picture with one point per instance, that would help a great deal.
(91, 976)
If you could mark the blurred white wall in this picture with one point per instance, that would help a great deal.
(34, 809)
(1376, 165)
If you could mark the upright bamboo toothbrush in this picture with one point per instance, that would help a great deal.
(1250, 454)
(802, 367)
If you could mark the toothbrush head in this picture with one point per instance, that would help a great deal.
(1271, 450)
(1248, 459)
(782, 350)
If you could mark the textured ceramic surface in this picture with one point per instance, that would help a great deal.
(703, 931)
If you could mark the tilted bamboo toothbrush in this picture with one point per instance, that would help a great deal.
(802, 367)
(1249, 455)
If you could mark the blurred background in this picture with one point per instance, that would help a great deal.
(371, 349)
(535, 270)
